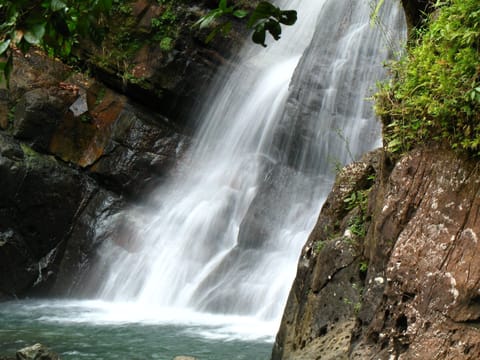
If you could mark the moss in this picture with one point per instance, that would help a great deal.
(130, 32)
(34, 159)
(435, 90)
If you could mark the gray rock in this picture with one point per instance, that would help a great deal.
(36, 352)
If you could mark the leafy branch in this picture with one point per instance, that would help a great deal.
(51, 24)
(266, 17)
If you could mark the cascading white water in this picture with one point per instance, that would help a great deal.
(224, 234)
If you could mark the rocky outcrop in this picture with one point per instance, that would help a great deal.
(71, 150)
(389, 272)
(40, 200)
(124, 145)
(154, 54)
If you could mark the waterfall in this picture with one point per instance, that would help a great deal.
(223, 234)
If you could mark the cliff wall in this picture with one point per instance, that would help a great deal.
(390, 270)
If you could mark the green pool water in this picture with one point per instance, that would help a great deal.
(104, 331)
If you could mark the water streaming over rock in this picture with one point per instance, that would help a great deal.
(224, 234)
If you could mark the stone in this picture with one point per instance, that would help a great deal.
(185, 358)
(418, 299)
(36, 116)
(36, 352)
(41, 199)
(140, 152)
(93, 225)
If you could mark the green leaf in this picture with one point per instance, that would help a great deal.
(394, 144)
(240, 14)
(264, 10)
(4, 46)
(35, 33)
(57, 5)
(258, 36)
(207, 20)
(226, 28)
(212, 34)
(222, 5)
(288, 17)
(374, 16)
(104, 5)
(8, 68)
(274, 28)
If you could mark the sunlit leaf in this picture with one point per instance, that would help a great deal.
(4, 46)
(57, 5)
(240, 14)
(35, 33)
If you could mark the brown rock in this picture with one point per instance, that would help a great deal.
(420, 296)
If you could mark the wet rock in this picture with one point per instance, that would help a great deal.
(122, 144)
(36, 116)
(40, 201)
(93, 225)
(36, 352)
(127, 147)
(140, 152)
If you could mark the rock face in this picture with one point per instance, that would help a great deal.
(41, 201)
(390, 270)
(156, 56)
(71, 152)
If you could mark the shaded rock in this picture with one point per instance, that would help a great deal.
(36, 352)
(36, 116)
(4, 109)
(416, 11)
(41, 198)
(92, 226)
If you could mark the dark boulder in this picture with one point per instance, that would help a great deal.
(41, 198)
